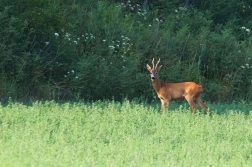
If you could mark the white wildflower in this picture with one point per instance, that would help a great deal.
(56, 34)
(127, 38)
(47, 43)
(242, 67)
(67, 35)
(111, 47)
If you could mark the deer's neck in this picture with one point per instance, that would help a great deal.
(156, 84)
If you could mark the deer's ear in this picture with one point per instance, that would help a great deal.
(148, 67)
(159, 68)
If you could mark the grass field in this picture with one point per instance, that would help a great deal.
(108, 133)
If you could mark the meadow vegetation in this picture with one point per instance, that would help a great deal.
(109, 133)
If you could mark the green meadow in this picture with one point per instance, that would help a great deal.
(108, 133)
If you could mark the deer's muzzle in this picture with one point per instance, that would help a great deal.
(152, 77)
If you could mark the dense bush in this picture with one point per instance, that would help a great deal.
(67, 50)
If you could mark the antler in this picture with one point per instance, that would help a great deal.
(157, 63)
(153, 63)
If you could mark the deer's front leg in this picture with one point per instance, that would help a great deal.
(164, 104)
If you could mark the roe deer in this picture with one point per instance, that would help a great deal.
(172, 91)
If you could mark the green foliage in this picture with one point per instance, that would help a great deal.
(98, 50)
(109, 133)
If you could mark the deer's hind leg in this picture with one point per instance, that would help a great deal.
(190, 101)
(201, 104)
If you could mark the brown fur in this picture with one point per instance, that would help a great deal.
(173, 91)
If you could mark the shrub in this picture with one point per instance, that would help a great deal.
(66, 50)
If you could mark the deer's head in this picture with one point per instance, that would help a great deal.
(154, 70)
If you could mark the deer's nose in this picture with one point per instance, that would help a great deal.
(152, 76)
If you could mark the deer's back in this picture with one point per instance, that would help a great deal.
(179, 90)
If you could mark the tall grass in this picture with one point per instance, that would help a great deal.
(108, 133)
